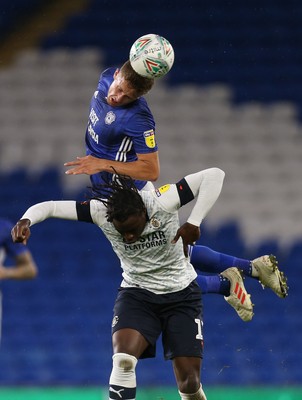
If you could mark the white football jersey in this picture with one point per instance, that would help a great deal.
(152, 262)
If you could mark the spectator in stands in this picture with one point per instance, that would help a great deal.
(24, 266)
(121, 135)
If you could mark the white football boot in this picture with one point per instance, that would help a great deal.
(239, 299)
(270, 276)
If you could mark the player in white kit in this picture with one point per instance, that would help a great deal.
(158, 293)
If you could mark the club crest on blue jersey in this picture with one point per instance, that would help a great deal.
(150, 138)
(110, 117)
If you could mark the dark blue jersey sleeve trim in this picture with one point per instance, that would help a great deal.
(185, 193)
(83, 211)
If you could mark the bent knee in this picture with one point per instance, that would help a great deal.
(124, 361)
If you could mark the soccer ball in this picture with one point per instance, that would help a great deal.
(151, 56)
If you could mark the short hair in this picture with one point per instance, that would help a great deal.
(140, 84)
(120, 197)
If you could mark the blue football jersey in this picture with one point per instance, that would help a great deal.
(118, 133)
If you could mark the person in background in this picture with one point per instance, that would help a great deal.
(23, 267)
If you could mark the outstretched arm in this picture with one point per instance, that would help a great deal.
(145, 168)
(38, 213)
(87, 211)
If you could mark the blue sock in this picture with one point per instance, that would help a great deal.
(207, 260)
(214, 284)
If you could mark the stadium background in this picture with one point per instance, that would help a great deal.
(233, 99)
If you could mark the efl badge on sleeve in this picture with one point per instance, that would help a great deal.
(162, 190)
(150, 138)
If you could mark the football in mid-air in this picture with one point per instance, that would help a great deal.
(151, 56)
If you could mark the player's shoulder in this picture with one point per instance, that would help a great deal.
(141, 104)
(108, 73)
(106, 78)
(152, 198)
(97, 211)
(139, 114)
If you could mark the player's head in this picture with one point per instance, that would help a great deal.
(125, 207)
(127, 86)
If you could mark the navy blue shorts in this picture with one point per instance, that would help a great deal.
(178, 316)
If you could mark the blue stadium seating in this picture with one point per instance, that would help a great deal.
(56, 329)
(15, 13)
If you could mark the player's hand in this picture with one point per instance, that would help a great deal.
(189, 234)
(84, 165)
(21, 232)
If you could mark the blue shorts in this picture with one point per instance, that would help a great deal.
(177, 316)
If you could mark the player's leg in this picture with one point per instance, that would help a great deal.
(208, 260)
(135, 329)
(187, 374)
(229, 284)
(227, 281)
(264, 268)
(128, 345)
(182, 338)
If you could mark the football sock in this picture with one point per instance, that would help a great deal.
(122, 382)
(199, 395)
(214, 284)
(121, 392)
(207, 260)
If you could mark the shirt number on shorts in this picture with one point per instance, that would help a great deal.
(199, 329)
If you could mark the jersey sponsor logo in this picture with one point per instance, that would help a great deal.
(150, 139)
(110, 117)
(162, 190)
(154, 239)
(93, 117)
(93, 134)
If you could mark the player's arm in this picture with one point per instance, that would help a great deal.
(89, 211)
(146, 167)
(40, 212)
(205, 186)
(24, 268)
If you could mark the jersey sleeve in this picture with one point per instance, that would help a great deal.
(205, 186)
(88, 211)
(92, 211)
(141, 129)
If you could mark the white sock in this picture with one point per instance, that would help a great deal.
(199, 395)
(122, 383)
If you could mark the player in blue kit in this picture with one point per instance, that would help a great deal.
(120, 130)
(120, 135)
(23, 267)
(158, 293)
